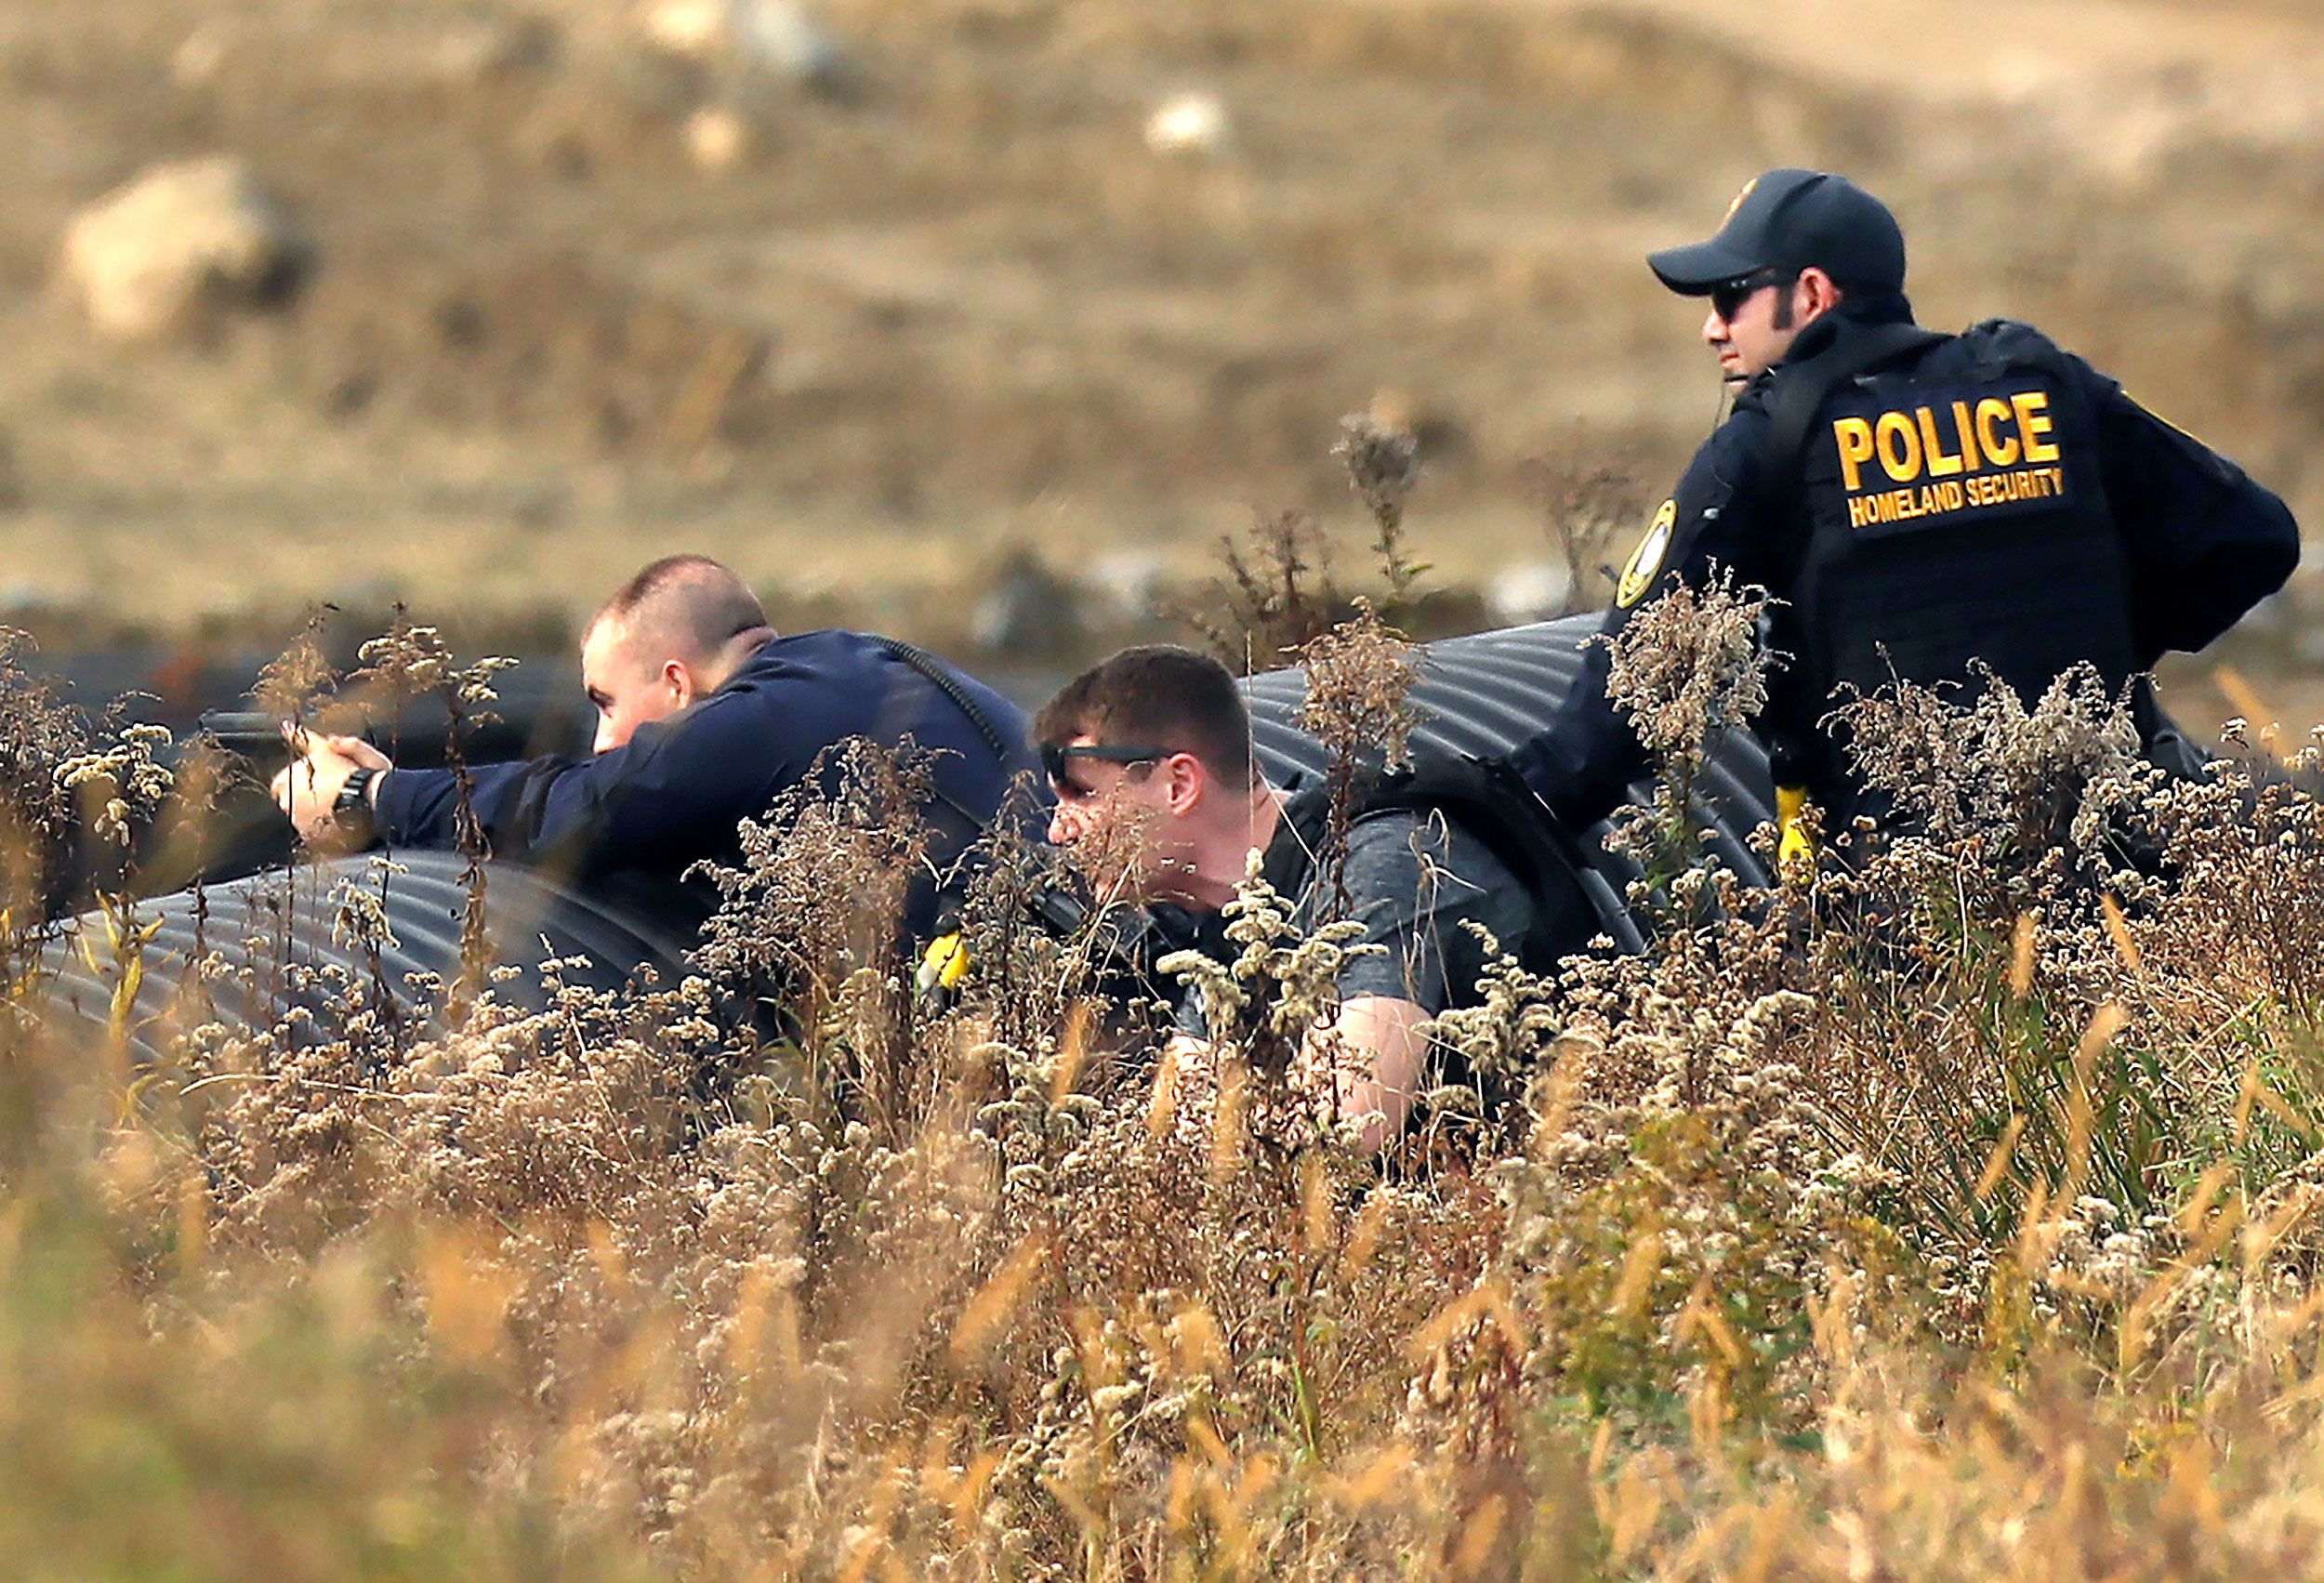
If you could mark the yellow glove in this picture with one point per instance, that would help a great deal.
(943, 964)
(1795, 854)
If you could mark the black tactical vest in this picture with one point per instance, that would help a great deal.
(1954, 513)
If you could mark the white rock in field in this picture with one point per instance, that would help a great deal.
(785, 37)
(1530, 590)
(1188, 123)
(694, 30)
(181, 245)
(717, 137)
(1131, 582)
(776, 36)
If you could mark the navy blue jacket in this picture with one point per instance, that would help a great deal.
(2202, 543)
(629, 822)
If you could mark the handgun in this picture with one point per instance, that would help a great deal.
(253, 734)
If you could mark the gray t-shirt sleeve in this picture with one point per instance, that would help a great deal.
(1412, 880)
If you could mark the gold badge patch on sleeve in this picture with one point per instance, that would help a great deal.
(1646, 561)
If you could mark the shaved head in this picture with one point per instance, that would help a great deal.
(689, 605)
(672, 634)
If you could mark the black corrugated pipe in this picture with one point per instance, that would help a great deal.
(1484, 694)
(1479, 694)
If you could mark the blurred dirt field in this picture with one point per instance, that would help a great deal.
(958, 308)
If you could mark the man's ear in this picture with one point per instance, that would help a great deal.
(1187, 781)
(680, 679)
(1818, 294)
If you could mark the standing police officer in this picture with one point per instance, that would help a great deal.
(1916, 501)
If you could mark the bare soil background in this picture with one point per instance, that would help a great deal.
(961, 312)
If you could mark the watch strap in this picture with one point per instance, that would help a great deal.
(356, 793)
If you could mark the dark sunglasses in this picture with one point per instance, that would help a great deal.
(1057, 758)
(1728, 297)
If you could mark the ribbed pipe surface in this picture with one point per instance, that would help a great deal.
(278, 943)
(1485, 693)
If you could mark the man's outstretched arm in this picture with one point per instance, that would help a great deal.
(520, 807)
(515, 804)
(1372, 1058)
(1368, 1064)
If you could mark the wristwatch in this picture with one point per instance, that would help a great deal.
(352, 809)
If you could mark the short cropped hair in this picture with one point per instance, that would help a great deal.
(691, 599)
(1156, 695)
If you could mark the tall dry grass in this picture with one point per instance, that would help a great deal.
(1954, 1215)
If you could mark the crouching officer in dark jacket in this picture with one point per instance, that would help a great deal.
(1916, 501)
(704, 717)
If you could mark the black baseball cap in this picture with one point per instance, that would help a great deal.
(1793, 220)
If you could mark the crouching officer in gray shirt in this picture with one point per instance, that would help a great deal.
(1916, 501)
(1149, 757)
